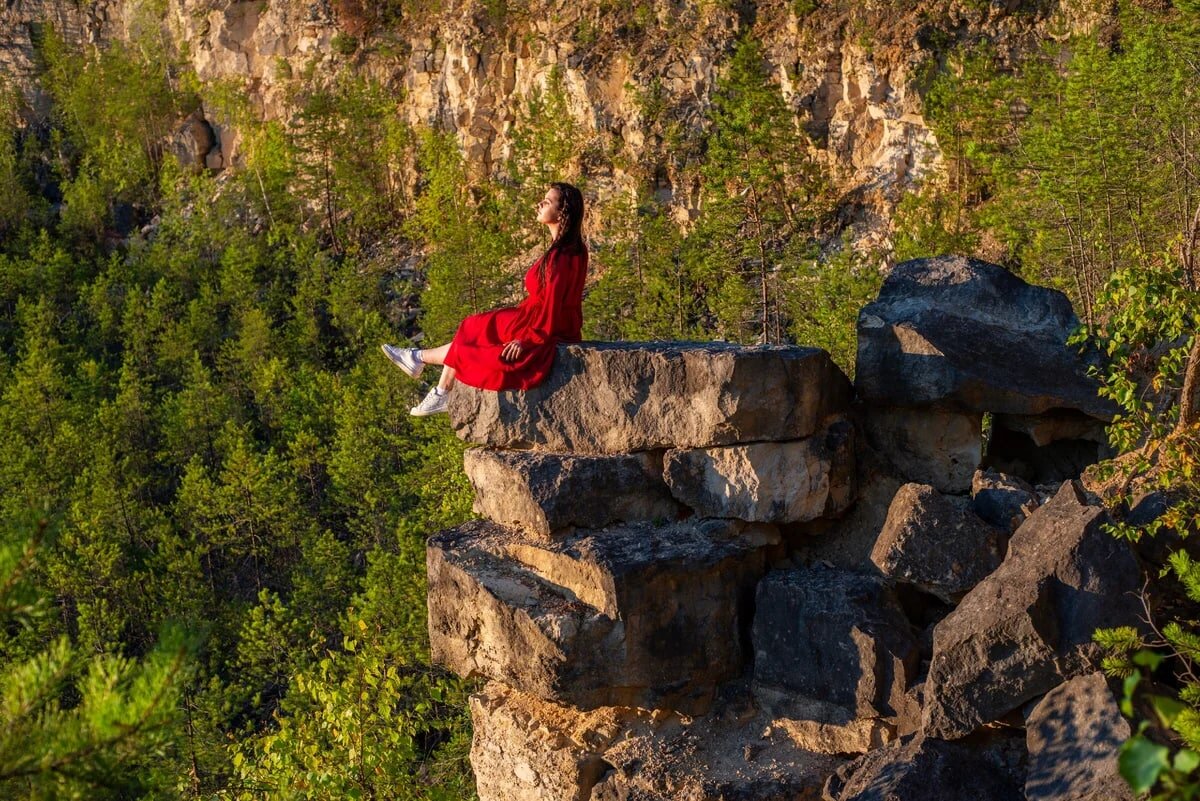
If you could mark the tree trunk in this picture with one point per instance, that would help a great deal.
(1189, 400)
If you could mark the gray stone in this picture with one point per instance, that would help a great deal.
(830, 646)
(1002, 500)
(769, 482)
(928, 446)
(623, 397)
(633, 615)
(963, 333)
(1073, 735)
(924, 769)
(1028, 626)
(543, 493)
(936, 543)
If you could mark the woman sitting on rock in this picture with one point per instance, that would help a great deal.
(513, 348)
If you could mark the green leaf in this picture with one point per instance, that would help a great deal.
(1186, 761)
(1141, 762)
(1148, 659)
(1167, 708)
(1130, 684)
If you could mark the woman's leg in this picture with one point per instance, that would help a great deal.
(447, 379)
(434, 355)
(438, 356)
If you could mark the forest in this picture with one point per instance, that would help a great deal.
(213, 503)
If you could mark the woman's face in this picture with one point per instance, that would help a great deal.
(547, 207)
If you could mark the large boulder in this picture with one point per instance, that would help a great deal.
(1073, 736)
(936, 543)
(633, 615)
(925, 769)
(929, 446)
(622, 397)
(1028, 626)
(966, 334)
(769, 482)
(830, 646)
(545, 492)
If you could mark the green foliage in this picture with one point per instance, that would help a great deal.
(760, 191)
(1149, 318)
(203, 415)
(823, 298)
(77, 725)
(1073, 163)
(351, 148)
(465, 267)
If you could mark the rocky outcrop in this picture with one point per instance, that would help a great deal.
(830, 646)
(928, 446)
(526, 749)
(796, 601)
(614, 617)
(853, 73)
(621, 397)
(1002, 500)
(951, 339)
(1028, 626)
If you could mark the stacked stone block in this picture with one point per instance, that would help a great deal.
(634, 502)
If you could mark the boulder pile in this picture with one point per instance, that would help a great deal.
(714, 572)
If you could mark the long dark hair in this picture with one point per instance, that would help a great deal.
(570, 225)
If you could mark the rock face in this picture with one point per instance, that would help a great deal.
(621, 397)
(936, 544)
(634, 615)
(925, 770)
(928, 446)
(463, 67)
(527, 750)
(1073, 735)
(543, 493)
(830, 646)
(770, 482)
(1028, 626)
(966, 334)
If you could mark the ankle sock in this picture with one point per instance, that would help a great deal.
(439, 391)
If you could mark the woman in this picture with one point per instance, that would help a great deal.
(513, 348)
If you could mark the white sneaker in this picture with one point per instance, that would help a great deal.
(432, 403)
(405, 358)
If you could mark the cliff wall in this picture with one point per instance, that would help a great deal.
(853, 72)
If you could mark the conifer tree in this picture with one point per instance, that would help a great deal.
(761, 189)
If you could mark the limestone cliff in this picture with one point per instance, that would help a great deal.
(854, 72)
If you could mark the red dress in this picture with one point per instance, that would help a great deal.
(551, 314)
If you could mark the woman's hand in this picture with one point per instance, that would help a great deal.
(512, 351)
